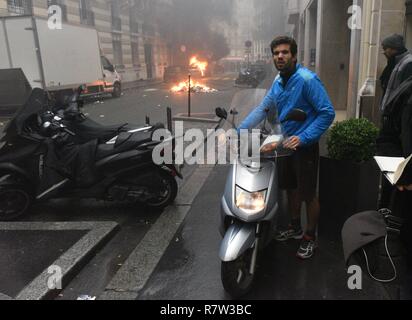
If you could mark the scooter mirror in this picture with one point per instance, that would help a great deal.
(221, 113)
(297, 115)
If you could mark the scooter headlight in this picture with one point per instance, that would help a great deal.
(250, 203)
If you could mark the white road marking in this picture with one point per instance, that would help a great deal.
(138, 268)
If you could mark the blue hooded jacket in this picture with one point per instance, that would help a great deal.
(305, 91)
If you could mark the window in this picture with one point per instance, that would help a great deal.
(135, 51)
(20, 7)
(106, 64)
(61, 4)
(134, 12)
(86, 14)
(117, 49)
(116, 19)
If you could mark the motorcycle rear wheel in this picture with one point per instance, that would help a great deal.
(15, 200)
(235, 275)
(168, 192)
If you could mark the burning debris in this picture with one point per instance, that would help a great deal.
(195, 87)
(200, 65)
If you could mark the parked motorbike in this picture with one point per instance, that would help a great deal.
(247, 77)
(70, 112)
(40, 161)
(250, 206)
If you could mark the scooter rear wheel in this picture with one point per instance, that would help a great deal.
(15, 200)
(236, 278)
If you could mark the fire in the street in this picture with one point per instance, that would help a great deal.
(201, 65)
(194, 87)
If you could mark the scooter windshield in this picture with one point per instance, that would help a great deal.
(34, 105)
(265, 141)
(273, 137)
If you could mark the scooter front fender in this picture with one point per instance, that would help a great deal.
(239, 238)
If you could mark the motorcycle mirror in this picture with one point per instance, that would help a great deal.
(234, 112)
(297, 115)
(221, 113)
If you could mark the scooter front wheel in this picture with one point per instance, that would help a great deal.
(236, 277)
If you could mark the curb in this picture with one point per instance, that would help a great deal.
(71, 261)
(197, 117)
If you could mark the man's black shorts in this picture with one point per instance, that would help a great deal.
(300, 172)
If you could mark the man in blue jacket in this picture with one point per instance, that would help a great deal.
(297, 87)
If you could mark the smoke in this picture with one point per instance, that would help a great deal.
(189, 23)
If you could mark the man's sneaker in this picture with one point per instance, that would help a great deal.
(291, 233)
(307, 248)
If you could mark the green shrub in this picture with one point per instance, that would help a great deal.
(353, 140)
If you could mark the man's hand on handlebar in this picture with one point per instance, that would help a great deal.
(292, 143)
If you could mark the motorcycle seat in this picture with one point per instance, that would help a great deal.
(125, 142)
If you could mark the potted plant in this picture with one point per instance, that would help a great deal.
(349, 177)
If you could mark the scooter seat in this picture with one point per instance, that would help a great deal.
(125, 142)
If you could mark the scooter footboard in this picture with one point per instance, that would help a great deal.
(239, 238)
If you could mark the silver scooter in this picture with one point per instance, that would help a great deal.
(250, 206)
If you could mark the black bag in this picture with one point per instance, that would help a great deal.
(371, 240)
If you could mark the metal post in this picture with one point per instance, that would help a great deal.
(147, 120)
(189, 98)
(169, 120)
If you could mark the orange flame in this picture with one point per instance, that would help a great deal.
(201, 65)
(194, 87)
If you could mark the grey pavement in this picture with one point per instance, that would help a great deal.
(190, 268)
(29, 249)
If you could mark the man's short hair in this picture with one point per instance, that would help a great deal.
(285, 40)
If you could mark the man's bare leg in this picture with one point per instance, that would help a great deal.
(295, 205)
(313, 210)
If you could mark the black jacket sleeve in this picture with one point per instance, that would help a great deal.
(406, 72)
(406, 129)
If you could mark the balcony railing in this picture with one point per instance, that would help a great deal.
(87, 17)
(19, 10)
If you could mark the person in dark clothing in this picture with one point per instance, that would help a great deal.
(395, 138)
(396, 135)
(399, 67)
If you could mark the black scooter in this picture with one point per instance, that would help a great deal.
(70, 112)
(40, 161)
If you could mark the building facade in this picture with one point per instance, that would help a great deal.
(237, 31)
(340, 40)
(269, 22)
(128, 35)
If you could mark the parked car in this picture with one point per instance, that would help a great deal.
(259, 71)
(195, 73)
